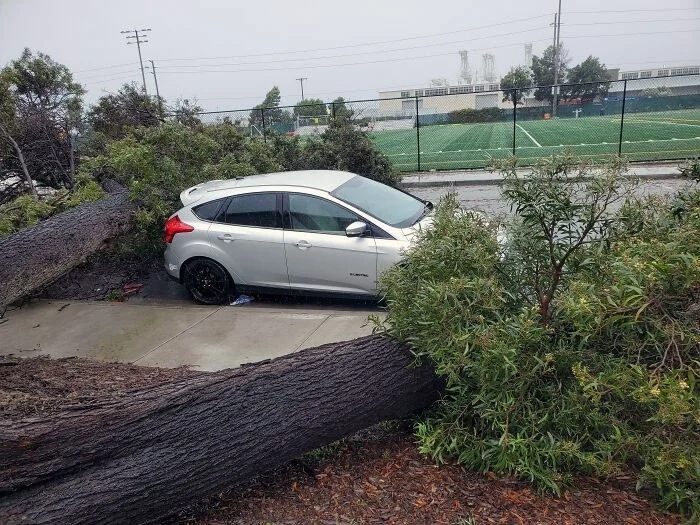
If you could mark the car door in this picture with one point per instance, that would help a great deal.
(249, 239)
(320, 256)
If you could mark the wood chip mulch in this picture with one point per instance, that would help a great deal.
(390, 482)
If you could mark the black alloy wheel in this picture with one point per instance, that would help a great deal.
(207, 281)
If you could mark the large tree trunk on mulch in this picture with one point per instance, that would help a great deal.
(37, 256)
(156, 450)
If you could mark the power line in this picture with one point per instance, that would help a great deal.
(111, 73)
(632, 11)
(379, 42)
(404, 59)
(134, 34)
(634, 22)
(287, 60)
(106, 67)
(180, 68)
(108, 80)
(637, 33)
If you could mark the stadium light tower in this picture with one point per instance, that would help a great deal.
(489, 67)
(138, 39)
(465, 74)
(528, 55)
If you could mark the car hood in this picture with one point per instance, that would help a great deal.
(411, 231)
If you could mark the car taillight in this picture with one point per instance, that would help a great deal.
(173, 226)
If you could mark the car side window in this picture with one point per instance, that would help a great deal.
(253, 209)
(209, 210)
(314, 214)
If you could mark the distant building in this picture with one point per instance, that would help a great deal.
(674, 80)
(429, 100)
(435, 100)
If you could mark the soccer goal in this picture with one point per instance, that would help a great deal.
(255, 131)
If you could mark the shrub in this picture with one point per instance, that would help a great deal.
(573, 349)
(469, 116)
(691, 169)
(341, 147)
(157, 163)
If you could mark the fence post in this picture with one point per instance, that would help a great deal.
(418, 133)
(332, 110)
(622, 117)
(515, 104)
(262, 117)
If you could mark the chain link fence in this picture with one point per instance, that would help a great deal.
(463, 127)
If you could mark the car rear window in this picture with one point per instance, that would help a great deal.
(209, 210)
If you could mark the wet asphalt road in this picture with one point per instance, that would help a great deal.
(488, 198)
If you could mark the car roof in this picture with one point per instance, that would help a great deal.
(323, 180)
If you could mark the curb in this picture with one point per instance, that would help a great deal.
(499, 181)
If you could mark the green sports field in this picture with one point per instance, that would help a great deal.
(646, 136)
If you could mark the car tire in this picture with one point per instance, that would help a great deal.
(207, 281)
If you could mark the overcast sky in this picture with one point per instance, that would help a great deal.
(226, 54)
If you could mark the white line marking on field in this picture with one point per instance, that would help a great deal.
(664, 122)
(530, 136)
(646, 141)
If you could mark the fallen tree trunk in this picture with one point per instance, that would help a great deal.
(37, 256)
(159, 449)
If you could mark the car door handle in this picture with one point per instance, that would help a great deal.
(303, 244)
(226, 237)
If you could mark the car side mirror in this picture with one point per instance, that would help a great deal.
(356, 229)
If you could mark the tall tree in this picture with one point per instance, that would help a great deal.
(518, 78)
(130, 107)
(310, 107)
(270, 110)
(587, 80)
(543, 71)
(340, 108)
(47, 111)
(186, 112)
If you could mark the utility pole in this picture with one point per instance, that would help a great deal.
(155, 79)
(138, 39)
(301, 81)
(557, 31)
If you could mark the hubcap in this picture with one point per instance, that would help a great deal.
(206, 281)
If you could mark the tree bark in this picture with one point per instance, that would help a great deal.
(37, 256)
(157, 450)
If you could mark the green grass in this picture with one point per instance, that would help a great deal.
(646, 136)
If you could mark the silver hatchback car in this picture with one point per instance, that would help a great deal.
(315, 232)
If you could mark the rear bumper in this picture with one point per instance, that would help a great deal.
(172, 266)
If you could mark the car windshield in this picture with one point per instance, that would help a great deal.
(389, 205)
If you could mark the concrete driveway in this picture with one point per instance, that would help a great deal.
(171, 335)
